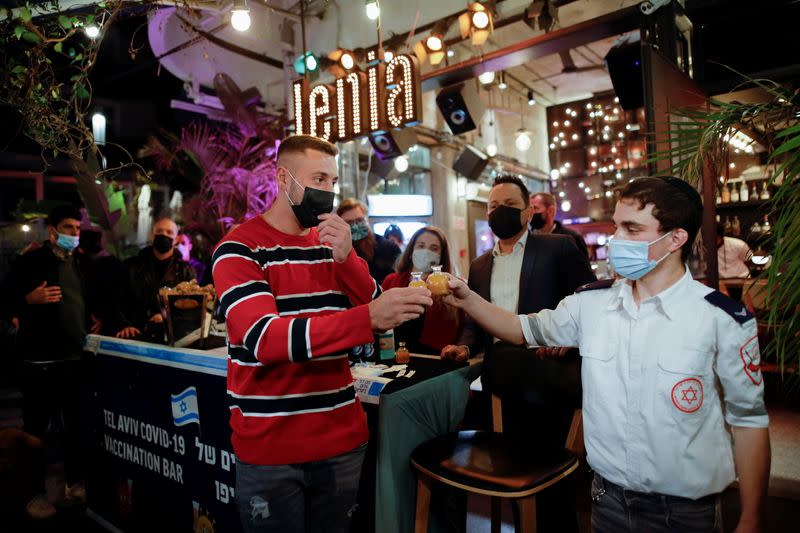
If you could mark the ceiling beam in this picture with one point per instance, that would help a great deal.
(580, 34)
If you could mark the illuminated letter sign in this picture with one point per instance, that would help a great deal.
(386, 97)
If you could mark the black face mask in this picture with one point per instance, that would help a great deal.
(162, 243)
(315, 202)
(505, 222)
(537, 221)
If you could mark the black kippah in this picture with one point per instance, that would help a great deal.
(687, 190)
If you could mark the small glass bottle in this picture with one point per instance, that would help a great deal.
(727, 226)
(718, 198)
(766, 227)
(734, 193)
(417, 281)
(764, 192)
(736, 226)
(754, 192)
(726, 194)
(437, 282)
(402, 356)
(744, 194)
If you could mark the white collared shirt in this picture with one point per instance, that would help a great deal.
(660, 383)
(506, 271)
(732, 258)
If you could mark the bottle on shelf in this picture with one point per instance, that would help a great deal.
(765, 226)
(727, 226)
(764, 192)
(718, 197)
(734, 193)
(754, 192)
(726, 194)
(744, 194)
(736, 227)
(755, 229)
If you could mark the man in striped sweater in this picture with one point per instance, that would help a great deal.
(297, 298)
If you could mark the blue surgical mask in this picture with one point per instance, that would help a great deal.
(630, 258)
(423, 259)
(359, 230)
(67, 242)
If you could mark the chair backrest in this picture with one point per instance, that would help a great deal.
(754, 296)
(534, 400)
(574, 440)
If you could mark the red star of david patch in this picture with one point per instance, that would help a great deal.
(687, 395)
(751, 360)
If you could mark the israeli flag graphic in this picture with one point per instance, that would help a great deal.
(184, 407)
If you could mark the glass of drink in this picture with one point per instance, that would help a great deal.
(402, 355)
(437, 282)
(417, 281)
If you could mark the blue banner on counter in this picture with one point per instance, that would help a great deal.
(164, 460)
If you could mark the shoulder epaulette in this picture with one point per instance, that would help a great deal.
(596, 285)
(735, 309)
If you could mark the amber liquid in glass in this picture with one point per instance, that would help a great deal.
(402, 355)
(417, 281)
(437, 282)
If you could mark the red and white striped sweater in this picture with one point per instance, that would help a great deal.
(292, 314)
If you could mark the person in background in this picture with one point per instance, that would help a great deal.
(110, 278)
(732, 255)
(441, 324)
(543, 220)
(671, 368)
(395, 234)
(156, 266)
(184, 247)
(52, 298)
(296, 298)
(379, 253)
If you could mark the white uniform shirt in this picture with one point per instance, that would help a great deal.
(732, 257)
(660, 383)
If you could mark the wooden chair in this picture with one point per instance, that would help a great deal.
(493, 464)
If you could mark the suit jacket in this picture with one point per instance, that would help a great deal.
(559, 229)
(552, 268)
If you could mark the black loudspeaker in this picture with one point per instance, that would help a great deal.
(461, 107)
(625, 68)
(392, 143)
(471, 162)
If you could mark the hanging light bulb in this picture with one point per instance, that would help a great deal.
(502, 85)
(486, 78)
(566, 205)
(373, 9)
(531, 99)
(491, 149)
(523, 140)
(401, 163)
(240, 16)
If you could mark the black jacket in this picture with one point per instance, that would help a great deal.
(144, 282)
(560, 229)
(552, 268)
(41, 335)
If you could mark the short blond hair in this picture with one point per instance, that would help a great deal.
(298, 144)
(350, 203)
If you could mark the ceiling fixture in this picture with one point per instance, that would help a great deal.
(491, 150)
(566, 205)
(475, 23)
(523, 140)
(486, 78)
(240, 15)
(531, 99)
(502, 85)
(373, 9)
(401, 163)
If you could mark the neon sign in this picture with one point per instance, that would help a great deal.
(386, 97)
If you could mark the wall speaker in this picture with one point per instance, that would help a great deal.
(392, 143)
(471, 162)
(461, 107)
(625, 69)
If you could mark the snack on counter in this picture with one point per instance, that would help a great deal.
(187, 287)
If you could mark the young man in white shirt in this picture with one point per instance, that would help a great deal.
(673, 393)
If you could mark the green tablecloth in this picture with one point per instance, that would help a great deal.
(406, 419)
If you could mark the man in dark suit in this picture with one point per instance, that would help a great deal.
(525, 273)
(543, 220)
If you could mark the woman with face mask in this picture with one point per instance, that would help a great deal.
(441, 324)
